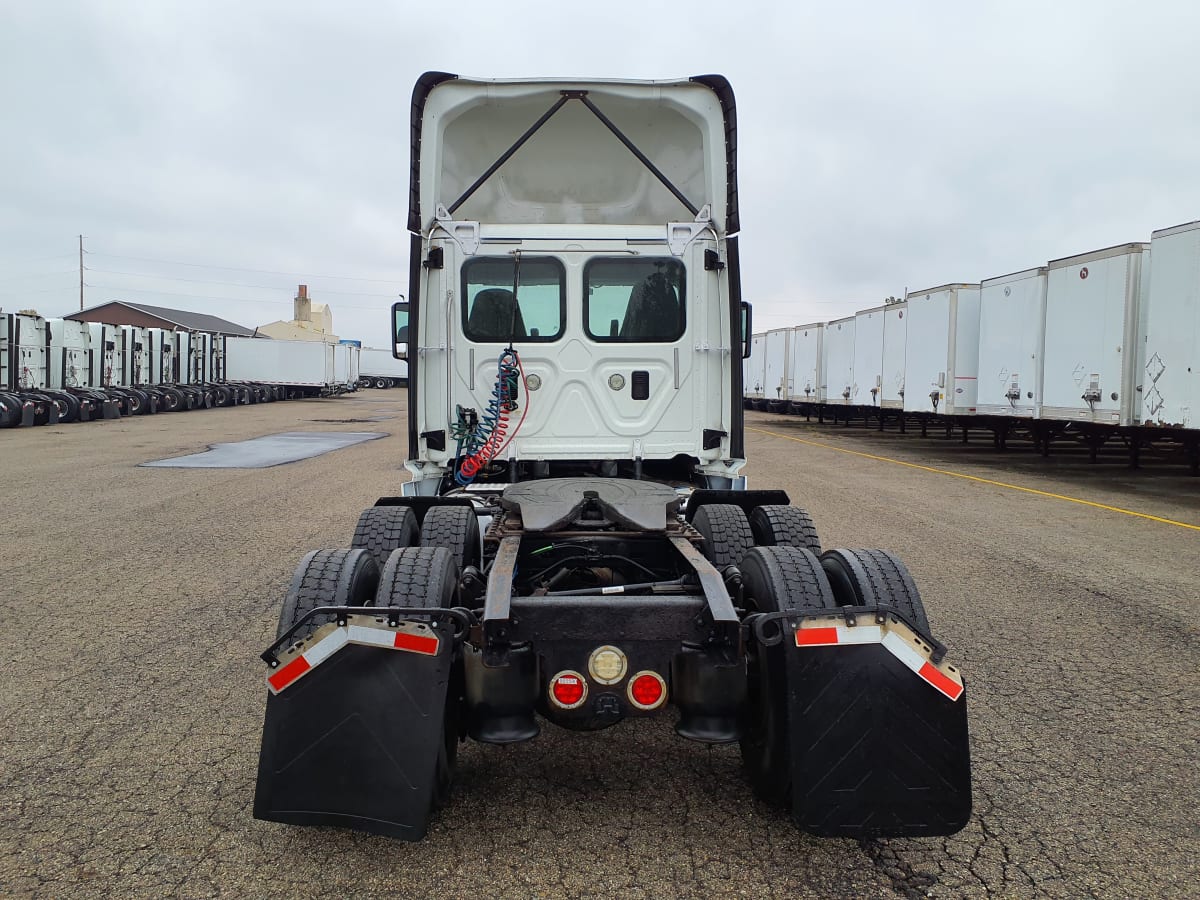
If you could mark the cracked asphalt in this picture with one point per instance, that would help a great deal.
(136, 601)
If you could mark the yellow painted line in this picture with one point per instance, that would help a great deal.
(976, 478)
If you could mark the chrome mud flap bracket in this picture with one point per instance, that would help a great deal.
(355, 721)
(877, 726)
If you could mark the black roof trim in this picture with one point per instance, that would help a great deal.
(424, 85)
(720, 86)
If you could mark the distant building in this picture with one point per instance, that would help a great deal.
(122, 312)
(310, 322)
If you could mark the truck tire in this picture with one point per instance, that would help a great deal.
(869, 577)
(784, 525)
(380, 383)
(425, 577)
(10, 411)
(457, 529)
(173, 400)
(382, 529)
(68, 406)
(776, 579)
(726, 532)
(328, 578)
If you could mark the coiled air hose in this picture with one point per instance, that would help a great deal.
(485, 441)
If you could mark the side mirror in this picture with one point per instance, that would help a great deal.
(747, 328)
(400, 329)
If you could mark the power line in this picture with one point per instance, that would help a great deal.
(176, 262)
(39, 291)
(267, 287)
(10, 262)
(37, 275)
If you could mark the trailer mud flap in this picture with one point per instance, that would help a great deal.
(355, 741)
(878, 735)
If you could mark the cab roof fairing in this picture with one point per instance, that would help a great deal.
(460, 127)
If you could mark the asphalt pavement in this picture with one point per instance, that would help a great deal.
(136, 601)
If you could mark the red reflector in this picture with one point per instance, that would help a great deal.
(568, 689)
(289, 673)
(947, 686)
(418, 643)
(810, 637)
(646, 690)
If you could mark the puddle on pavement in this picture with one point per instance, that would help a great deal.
(270, 450)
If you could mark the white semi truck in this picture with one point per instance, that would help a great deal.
(576, 542)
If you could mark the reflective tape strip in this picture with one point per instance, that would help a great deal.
(828, 637)
(837, 636)
(281, 678)
(385, 638)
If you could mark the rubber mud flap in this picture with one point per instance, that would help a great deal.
(354, 743)
(876, 751)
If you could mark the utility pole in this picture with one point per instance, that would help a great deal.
(81, 273)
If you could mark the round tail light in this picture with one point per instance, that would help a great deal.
(568, 689)
(647, 690)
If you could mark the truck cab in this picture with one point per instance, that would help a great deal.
(590, 230)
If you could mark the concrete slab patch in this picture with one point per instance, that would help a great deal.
(269, 450)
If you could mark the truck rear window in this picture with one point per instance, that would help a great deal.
(634, 300)
(491, 314)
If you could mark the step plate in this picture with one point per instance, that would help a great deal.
(876, 751)
(354, 743)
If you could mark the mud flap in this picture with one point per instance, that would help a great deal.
(876, 750)
(355, 742)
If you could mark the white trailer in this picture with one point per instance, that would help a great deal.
(941, 351)
(868, 357)
(775, 364)
(1169, 377)
(1012, 341)
(305, 366)
(1093, 305)
(895, 332)
(804, 365)
(754, 372)
(380, 369)
(837, 362)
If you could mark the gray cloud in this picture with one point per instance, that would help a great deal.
(881, 146)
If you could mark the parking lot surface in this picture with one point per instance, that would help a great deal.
(136, 601)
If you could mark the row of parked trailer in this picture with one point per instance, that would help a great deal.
(62, 370)
(1098, 344)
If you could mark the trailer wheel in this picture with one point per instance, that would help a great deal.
(380, 383)
(784, 525)
(328, 578)
(726, 532)
(776, 579)
(382, 529)
(425, 577)
(457, 529)
(868, 577)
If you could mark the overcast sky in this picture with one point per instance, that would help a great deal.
(215, 154)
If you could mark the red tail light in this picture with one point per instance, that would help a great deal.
(568, 689)
(647, 690)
